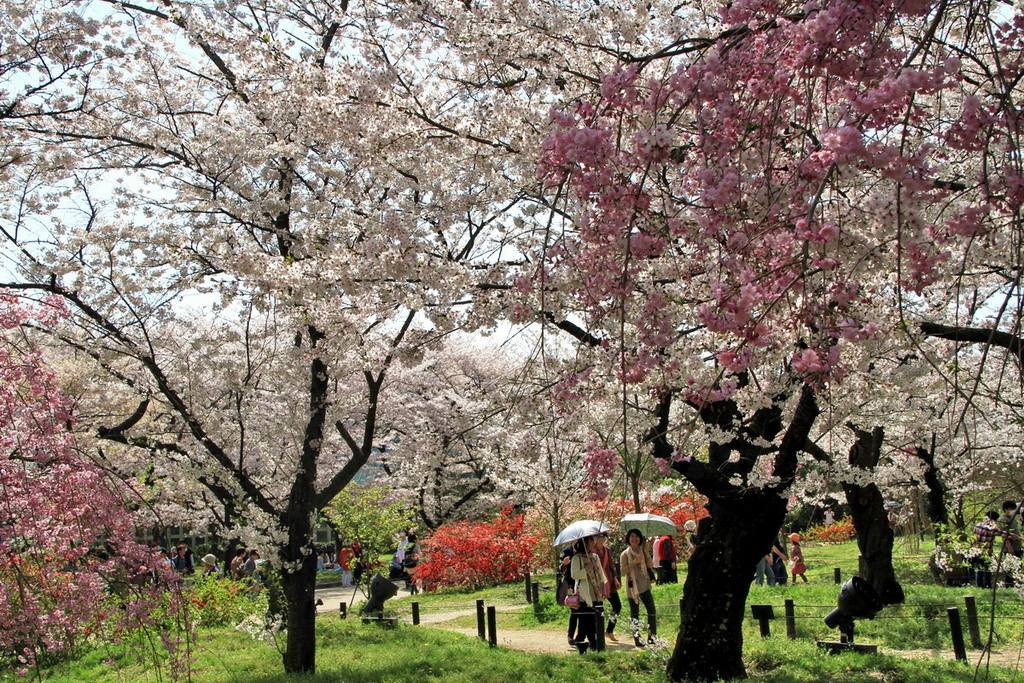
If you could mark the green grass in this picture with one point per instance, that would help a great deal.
(351, 651)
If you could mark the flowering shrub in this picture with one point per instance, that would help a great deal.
(218, 601)
(474, 554)
(838, 532)
(67, 540)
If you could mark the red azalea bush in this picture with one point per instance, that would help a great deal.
(475, 554)
(838, 532)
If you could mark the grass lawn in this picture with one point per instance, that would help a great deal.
(351, 651)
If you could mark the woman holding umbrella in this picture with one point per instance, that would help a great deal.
(589, 576)
(637, 566)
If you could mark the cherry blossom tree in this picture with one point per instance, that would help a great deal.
(745, 206)
(254, 211)
(67, 534)
(447, 430)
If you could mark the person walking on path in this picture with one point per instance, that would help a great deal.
(796, 559)
(564, 574)
(637, 566)
(585, 569)
(611, 585)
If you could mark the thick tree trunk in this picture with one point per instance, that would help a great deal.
(299, 590)
(709, 646)
(875, 540)
(743, 524)
(298, 576)
(867, 507)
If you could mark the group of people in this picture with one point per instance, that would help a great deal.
(242, 565)
(986, 553)
(772, 568)
(588, 568)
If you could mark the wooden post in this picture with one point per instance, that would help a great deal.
(415, 614)
(343, 610)
(535, 586)
(972, 621)
(790, 619)
(763, 614)
(492, 625)
(838, 575)
(599, 625)
(957, 632)
(529, 592)
(481, 628)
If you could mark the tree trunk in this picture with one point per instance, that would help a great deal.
(875, 540)
(709, 646)
(743, 524)
(938, 513)
(867, 507)
(299, 589)
(298, 575)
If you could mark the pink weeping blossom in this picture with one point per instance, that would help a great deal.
(67, 542)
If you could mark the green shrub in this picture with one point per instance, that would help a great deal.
(224, 602)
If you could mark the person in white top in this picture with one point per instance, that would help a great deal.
(586, 570)
(636, 566)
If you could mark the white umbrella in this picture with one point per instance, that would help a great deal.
(649, 525)
(580, 529)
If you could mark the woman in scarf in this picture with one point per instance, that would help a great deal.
(637, 566)
(589, 576)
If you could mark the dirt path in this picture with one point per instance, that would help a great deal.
(553, 642)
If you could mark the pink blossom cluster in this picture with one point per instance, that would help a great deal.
(600, 465)
(739, 194)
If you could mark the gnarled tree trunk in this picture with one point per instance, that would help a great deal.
(743, 524)
(739, 533)
(867, 507)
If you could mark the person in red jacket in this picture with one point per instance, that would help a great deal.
(668, 561)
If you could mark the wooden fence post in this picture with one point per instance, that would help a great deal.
(972, 621)
(481, 629)
(415, 614)
(790, 619)
(492, 625)
(529, 593)
(957, 632)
